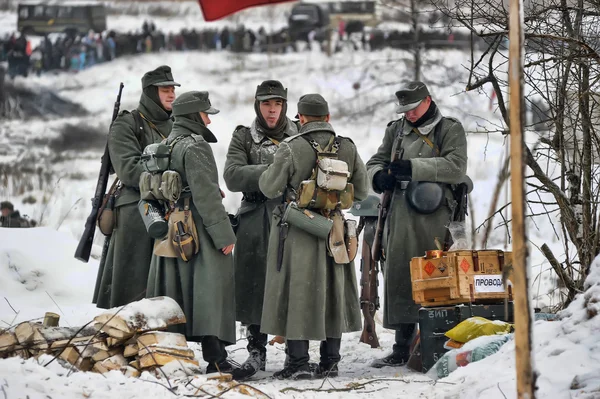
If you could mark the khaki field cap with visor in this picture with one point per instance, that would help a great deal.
(269, 90)
(312, 105)
(161, 76)
(410, 97)
(193, 102)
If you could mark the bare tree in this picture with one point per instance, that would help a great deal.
(562, 75)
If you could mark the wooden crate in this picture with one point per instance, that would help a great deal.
(446, 278)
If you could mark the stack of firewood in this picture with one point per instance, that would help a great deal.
(128, 339)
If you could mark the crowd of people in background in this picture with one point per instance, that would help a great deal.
(61, 52)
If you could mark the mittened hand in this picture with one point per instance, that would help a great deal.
(383, 181)
(401, 168)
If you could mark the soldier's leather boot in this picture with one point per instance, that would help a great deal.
(330, 357)
(257, 354)
(297, 367)
(214, 353)
(401, 350)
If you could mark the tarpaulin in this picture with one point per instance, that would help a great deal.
(215, 9)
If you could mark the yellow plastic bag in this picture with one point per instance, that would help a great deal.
(475, 327)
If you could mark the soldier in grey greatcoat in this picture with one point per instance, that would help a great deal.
(123, 273)
(251, 151)
(204, 285)
(427, 147)
(308, 296)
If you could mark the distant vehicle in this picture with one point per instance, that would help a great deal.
(70, 18)
(307, 17)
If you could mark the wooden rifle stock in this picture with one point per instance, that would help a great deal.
(386, 198)
(369, 295)
(84, 247)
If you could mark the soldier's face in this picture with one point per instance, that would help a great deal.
(270, 111)
(5, 212)
(205, 118)
(166, 94)
(414, 114)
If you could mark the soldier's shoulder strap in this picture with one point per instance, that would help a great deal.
(346, 138)
(239, 128)
(138, 124)
(390, 123)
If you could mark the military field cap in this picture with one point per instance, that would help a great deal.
(410, 97)
(366, 207)
(7, 205)
(313, 105)
(192, 102)
(270, 89)
(161, 76)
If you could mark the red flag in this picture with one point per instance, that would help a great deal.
(215, 9)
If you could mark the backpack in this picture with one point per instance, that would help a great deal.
(158, 182)
(327, 187)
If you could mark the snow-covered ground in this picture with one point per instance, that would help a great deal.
(38, 273)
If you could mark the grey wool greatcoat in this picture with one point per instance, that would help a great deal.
(123, 274)
(407, 233)
(250, 153)
(311, 297)
(204, 286)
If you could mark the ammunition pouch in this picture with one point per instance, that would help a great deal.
(307, 220)
(181, 240)
(163, 186)
(342, 242)
(254, 197)
(154, 218)
(311, 196)
(425, 197)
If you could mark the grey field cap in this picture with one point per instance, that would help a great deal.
(271, 89)
(192, 102)
(410, 97)
(313, 105)
(161, 76)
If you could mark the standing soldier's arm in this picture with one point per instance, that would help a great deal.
(274, 180)
(239, 175)
(202, 177)
(382, 157)
(451, 166)
(359, 179)
(125, 151)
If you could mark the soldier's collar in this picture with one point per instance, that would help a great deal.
(258, 136)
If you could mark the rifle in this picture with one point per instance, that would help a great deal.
(369, 295)
(386, 199)
(84, 248)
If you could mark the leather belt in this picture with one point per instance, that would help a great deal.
(254, 197)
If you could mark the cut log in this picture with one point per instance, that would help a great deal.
(162, 339)
(130, 350)
(105, 354)
(186, 353)
(71, 356)
(25, 332)
(135, 364)
(160, 359)
(8, 341)
(51, 319)
(145, 315)
(99, 368)
(114, 342)
(115, 333)
(20, 352)
(130, 372)
(97, 342)
(115, 362)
